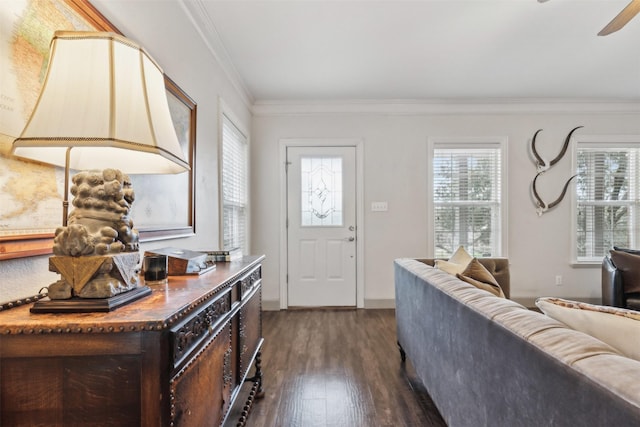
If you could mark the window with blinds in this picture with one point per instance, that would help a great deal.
(467, 198)
(234, 187)
(607, 198)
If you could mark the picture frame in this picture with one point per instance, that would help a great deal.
(18, 243)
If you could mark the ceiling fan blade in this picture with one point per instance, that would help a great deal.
(623, 17)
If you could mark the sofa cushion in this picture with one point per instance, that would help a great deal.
(477, 275)
(457, 263)
(629, 266)
(618, 327)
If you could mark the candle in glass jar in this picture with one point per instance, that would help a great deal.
(155, 268)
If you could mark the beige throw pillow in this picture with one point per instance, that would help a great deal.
(618, 327)
(461, 256)
(456, 264)
(477, 275)
(449, 267)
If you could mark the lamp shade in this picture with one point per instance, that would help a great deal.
(104, 97)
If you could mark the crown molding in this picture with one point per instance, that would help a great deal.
(204, 25)
(444, 106)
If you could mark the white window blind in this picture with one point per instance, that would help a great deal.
(467, 199)
(234, 186)
(607, 199)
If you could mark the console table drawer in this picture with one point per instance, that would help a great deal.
(250, 330)
(187, 336)
(249, 282)
(201, 391)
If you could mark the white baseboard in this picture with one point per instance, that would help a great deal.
(270, 305)
(379, 303)
(274, 305)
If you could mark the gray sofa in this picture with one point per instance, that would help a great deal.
(489, 361)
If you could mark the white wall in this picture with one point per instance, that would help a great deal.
(193, 67)
(395, 158)
(394, 169)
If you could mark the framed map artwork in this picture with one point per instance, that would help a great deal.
(31, 193)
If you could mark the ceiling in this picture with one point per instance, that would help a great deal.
(429, 49)
(423, 49)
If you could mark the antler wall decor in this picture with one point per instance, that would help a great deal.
(541, 207)
(542, 166)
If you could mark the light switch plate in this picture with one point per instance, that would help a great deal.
(379, 206)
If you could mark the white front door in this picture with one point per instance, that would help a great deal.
(321, 233)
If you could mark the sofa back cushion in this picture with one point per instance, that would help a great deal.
(618, 327)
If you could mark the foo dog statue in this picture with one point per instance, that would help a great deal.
(97, 252)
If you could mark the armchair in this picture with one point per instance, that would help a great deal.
(621, 279)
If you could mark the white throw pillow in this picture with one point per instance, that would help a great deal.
(618, 327)
(456, 264)
(461, 256)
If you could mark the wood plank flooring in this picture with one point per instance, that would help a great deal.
(335, 368)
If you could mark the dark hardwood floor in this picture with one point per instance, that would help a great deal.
(338, 368)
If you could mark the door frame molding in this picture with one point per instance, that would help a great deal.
(358, 144)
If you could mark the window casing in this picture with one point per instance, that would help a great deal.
(234, 186)
(607, 196)
(466, 195)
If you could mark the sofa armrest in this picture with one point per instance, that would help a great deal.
(498, 267)
(612, 291)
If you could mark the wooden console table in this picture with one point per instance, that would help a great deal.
(174, 358)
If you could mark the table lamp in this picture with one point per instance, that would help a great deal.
(103, 105)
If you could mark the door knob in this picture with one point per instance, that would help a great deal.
(350, 239)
